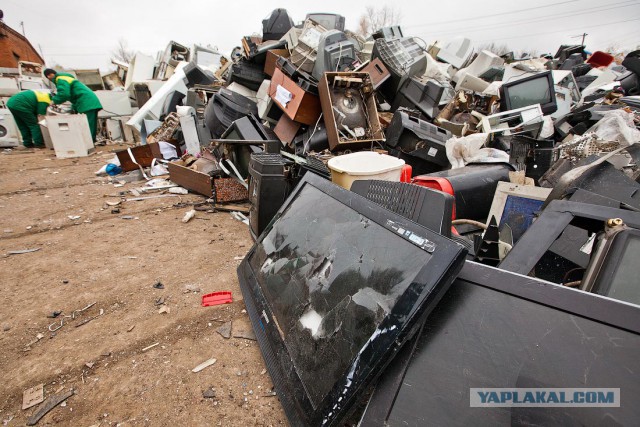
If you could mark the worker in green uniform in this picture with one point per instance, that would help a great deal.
(83, 100)
(25, 107)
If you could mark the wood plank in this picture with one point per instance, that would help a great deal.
(195, 181)
(48, 405)
(229, 207)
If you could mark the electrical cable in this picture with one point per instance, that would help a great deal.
(493, 14)
(562, 31)
(538, 19)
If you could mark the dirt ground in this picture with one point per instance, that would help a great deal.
(113, 262)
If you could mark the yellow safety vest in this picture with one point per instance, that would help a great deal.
(66, 79)
(43, 97)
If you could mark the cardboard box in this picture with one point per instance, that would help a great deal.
(272, 57)
(358, 81)
(303, 107)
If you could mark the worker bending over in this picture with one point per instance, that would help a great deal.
(25, 107)
(83, 100)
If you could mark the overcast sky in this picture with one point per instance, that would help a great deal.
(82, 34)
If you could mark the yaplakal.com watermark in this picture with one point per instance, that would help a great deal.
(544, 397)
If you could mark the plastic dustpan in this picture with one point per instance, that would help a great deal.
(217, 298)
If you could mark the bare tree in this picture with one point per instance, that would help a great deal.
(122, 52)
(375, 18)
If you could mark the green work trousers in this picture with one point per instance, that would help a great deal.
(92, 118)
(29, 128)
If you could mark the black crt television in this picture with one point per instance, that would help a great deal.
(276, 25)
(614, 270)
(243, 138)
(558, 246)
(334, 286)
(499, 329)
(531, 90)
(224, 108)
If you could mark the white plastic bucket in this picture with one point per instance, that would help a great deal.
(364, 165)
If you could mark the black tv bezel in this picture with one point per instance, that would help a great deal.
(594, 307)
(445, 262)
(547, 108)
(549, 226)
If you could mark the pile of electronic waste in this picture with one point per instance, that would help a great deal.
(401, 192)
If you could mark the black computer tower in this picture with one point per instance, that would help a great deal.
(268, 189)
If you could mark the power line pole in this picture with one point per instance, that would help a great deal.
(583, 35)
(22, 25)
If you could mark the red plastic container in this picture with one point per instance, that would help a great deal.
(600, 59)
(406, 173)
(217, 298)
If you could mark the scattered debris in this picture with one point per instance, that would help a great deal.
(246, 334)
(6, 327)
(74, 217)
(32, 396)
(48, 405)
(84, 322)
(23, 251)
(160, 196)
(189, 215)
(128, 217)
(54, 314)
(151, 346)
(178, 190)
(164, 310)
(240, 217)
(191, 288)
(203, 365)
(209, 393)
(89, 364)
(158, 285)
(225, 330)
(131, 328)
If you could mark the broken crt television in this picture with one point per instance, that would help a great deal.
(614, 270)
(584, 245)
(350, 115)
(536, 89)
(334, 286)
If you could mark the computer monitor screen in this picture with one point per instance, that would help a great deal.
(532, 92)
(537, 89)
(619, 276)
(332, 286)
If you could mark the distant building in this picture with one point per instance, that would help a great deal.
(15, 47)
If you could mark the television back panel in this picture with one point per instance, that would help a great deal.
(540, 331)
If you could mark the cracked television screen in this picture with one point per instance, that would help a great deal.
(330, 283)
